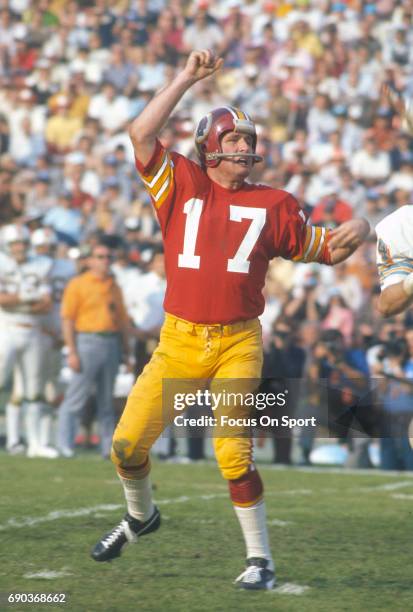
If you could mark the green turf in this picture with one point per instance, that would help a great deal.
(349, 541)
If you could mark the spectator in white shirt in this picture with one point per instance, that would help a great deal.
(202, 33)
(110, 109)
(370, 164)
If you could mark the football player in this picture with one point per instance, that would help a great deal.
(220, 233)
(44, 244)
(395, 261)
(395, 236)
(25, 297)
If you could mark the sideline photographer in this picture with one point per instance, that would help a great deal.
(283, 369)
(345, 374)
(396, 392)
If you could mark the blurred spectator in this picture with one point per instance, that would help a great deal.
(331, 211)
(64, 219)
(203, 32)
(339, 316)
(61, 128)
(109, 108)
(370, 164)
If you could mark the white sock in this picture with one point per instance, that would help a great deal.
(12, 424)
(45, 425)
(33, 410)
(253, 523)
(138, 495)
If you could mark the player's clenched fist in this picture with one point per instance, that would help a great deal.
(201, 64)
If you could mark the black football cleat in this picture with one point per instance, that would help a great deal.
(256, 576)
(127, 532)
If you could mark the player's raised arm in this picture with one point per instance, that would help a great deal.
(144, 130)
(346, 238)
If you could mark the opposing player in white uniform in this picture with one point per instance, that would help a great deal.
(44, 243)
(25, 297)
(395, 261)
(144, 299)
(395, 233)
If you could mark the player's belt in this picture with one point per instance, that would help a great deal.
(198, 329)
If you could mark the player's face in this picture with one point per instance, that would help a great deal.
(237, 143)
(18, 250)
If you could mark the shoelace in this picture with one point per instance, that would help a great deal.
(121, 529)
(252, 574)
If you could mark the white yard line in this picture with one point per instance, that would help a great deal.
(389, 486)
(47, 575)
(290, 588)
(55, 515)
(339, 471)
(278, 523)
(402, 496)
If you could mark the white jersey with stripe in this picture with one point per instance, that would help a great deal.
(30, 280)
(395, 246)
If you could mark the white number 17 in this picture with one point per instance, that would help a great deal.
(240, 262)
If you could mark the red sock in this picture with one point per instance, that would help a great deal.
(247, 490)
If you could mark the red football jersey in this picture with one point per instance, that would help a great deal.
(218, 242)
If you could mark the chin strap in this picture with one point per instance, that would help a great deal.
(214, 156)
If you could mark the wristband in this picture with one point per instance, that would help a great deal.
(408, 284)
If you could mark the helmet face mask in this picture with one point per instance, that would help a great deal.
(212, 128)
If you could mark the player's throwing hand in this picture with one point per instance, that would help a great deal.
(201, 64)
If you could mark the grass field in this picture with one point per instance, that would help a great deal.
(346, 537)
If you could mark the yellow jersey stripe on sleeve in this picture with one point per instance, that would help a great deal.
(163, 191)
(160, 182)
(150, 176)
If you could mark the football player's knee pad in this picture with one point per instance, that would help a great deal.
(247, 490)
(233, 456)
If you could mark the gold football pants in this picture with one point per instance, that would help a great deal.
(191, 351)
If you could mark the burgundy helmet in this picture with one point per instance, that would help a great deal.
(214, 125)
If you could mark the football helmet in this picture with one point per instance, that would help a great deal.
(214, 125)
(14, 233)
(43, 236)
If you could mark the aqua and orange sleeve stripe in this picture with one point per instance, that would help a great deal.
(390, 273)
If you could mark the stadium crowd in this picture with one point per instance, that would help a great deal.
(309, 72)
